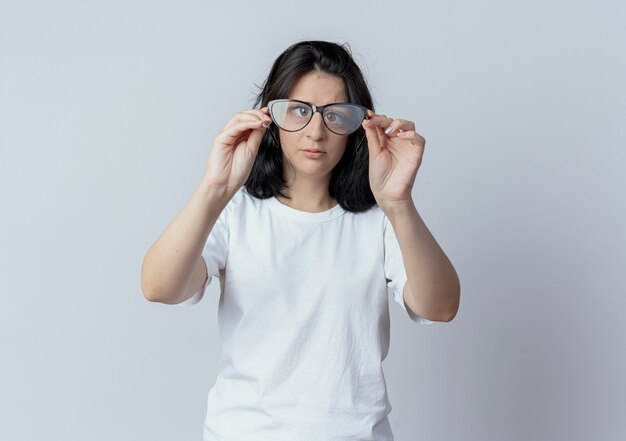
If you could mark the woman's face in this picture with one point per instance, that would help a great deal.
(318, 89)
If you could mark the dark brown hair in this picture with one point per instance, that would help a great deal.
(349, 182)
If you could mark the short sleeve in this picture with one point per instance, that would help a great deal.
(395, 272)
(214, 255)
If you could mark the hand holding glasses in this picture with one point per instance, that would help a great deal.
(234, 150)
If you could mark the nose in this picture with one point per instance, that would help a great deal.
(316, 127)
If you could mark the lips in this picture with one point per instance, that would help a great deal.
(313, 151)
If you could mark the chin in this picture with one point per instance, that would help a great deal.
(316, 171)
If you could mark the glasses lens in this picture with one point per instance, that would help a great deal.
(292, 116)
(343, 119)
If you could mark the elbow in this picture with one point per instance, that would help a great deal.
(160, 296)
(156, 295)
(446, 308)
(147, 291)
(151, 287)
(447, 317)
(146, 287)
(455, 306)
(148, 294)
(450, 307)
(450, 316)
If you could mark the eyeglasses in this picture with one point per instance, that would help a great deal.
(294, 115)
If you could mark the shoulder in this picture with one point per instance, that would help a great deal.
(243, 202)
(372, 220)
(374, 215)
(377, 219)
(233, 206)
(239, 200)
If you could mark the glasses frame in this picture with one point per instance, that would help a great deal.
(316, 109)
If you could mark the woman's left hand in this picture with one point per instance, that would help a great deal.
(394, 158)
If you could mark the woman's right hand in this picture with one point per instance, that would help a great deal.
(235, 149)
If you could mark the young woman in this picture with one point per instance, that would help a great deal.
(305, 217)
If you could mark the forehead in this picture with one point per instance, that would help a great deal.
(319, 88)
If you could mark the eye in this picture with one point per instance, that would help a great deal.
(300, 110)
(334, 117)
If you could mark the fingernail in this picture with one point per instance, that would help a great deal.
(388, 129)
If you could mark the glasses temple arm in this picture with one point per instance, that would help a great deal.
(360, 142)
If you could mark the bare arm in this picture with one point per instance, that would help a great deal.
(433, 288)
(173, 268)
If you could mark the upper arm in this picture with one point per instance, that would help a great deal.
(197, 280)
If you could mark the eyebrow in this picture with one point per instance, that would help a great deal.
(330, 102)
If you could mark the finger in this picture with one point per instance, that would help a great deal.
(255, 138)
(391, 126)
(257, 113)
(246, 116)
(398, 126)
(228, 134)
(405, 133)
(415, 138)
(263, 112)
(373, 139)
(381, 121)
(412, 134)
(407, 136)
(378, 123)
(371, 113)
(381, 137)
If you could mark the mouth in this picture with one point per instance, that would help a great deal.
(313, 151)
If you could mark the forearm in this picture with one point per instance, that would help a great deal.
(433, 284)
(170, 261)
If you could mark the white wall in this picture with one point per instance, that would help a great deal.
(107, 114)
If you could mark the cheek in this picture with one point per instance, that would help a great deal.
(289, 140)
(340, 147)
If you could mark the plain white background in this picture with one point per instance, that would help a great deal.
(108, 111)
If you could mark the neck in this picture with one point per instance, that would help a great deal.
(308, 195)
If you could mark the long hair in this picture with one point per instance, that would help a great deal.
(349, 182)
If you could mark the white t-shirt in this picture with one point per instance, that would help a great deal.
(303, 319)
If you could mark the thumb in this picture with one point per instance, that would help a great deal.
(254, 140)
(373, 142)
